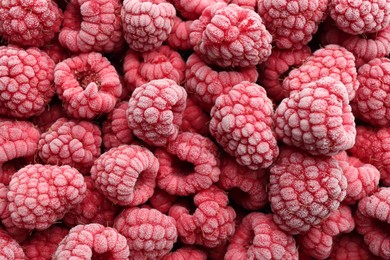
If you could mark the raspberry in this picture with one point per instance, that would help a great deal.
(230, 36)
(56, 51)
(292, 23)
(161, 200)
(26, 77)
(48, 117)
(179, 38)
(258, 237)
(205, 84)
(87, 84)
(92, 25)
(146, 23)
(126, 174)
(185, 253)
(195, 119)
(189, 164)
(161, 63)
(241, 122)
(369, 16)
(3, 199)
(249, 4)
(29, 23)
(192, 10)
(39, 194)
(8, 168)
(304, 189)
(318, 118)
(71, 142)
(350, 246)
(9, 248)
(212, 222)
(155, 111)
(92, 241)
(150, 234)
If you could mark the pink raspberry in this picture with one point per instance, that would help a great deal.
(205, 83)
(241, 122)
(52, 113)
(292, 23)
(185, 253)
(155, 111)
(258, 237)
(161, 200)
(195, 119)
(350, 246)
(92, 25)
(71, 142)
(87, 84)
(179, 38)
(39, 195)
(359, 17)
(193, 9)
(26, 77)
(212, 222)
(92, 241)
(126, 174)
(189, 164)
(317, 119)
(29, 23)
(160, 63)
(9, 248)
(230, 36)
(249, 4)
(146, 23)
(150, 234)
(304, 189)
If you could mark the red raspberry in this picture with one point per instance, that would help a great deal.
(71, 142)
(3, 199)
(179, 38)
(359, 17)
(92, 25)
(193, 9)
(350, 246)
(186, 253)
(304, 189)
(161, 200)
(126, 174)
(26, 81)
(241, 122)
(146, 23)
(29, 23)
(92, 241)
(212, 222)
(249, 4)
(155, 111)
(205, 84)
(230, 36)
(87, 84)
(9, 248)
(39, 195)
(292, 23)
(258, 237)
(195, 119)
(52, 112)
(150, 234)
(160, 63)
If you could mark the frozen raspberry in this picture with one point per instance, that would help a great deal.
(39, 194)
(92, 241)
(3, 199)
(339, 221)
(87, 84)
(191, 10)
(258, 237)
(350, 246)
(230, 36)
(186, 253)
(126, 174)
(71, 142)
(92, 25)
(205, 84)
(150, 234)
(249, 4)
(52, 112)
(292, 23)
(56, 51)
(304, 189)
(212, 222)
(161, 63)
(241, 122)
(195, 119)
(161, 200)
(146, 23)
(9, 248)
(29, 23)
(189, 164)
(179, 38)
(155, 111)
(358, 17)
(26, 77)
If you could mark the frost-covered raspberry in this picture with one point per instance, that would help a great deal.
(161, 200)
(92, 25)
(39, 194)
(26, 77)
(292, 23)
(304, 189)
(29, 23)
(241, 122)
(155, 111)
(195, 119)
(9, 248)
(179, 38)
(146, 23)
(249, 4)
(92, 241)
(150, 234)
(350, 246)
(258, 237)
(191, 10)
(87, 84)
(230, 36)
(185, 253)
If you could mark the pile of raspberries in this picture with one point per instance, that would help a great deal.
(201, 129)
